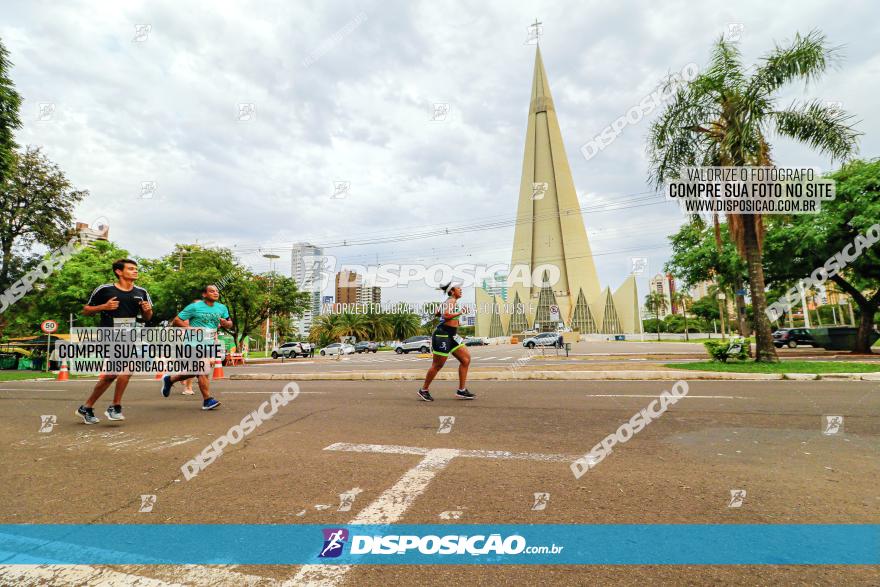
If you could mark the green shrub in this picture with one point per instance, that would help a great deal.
(720, 350)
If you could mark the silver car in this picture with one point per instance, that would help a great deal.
(420, 344)
(544, 339)
(292, 349)
(337, 348)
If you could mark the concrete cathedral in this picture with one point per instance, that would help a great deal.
(550, 231)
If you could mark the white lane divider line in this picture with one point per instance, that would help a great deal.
(288, 364)
(391, 505)
(262, 392)
(658, 397)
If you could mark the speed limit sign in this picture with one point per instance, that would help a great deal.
(49, 326)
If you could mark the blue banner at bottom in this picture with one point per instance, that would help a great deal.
(457, 544)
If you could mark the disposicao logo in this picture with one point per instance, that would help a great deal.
(334, 542)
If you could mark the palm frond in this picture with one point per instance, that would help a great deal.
(806, 57)
(820, 126)
(725, 71)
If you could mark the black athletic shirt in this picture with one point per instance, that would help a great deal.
(129, 307)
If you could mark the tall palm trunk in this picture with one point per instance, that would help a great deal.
(722, 306)
(765, 350)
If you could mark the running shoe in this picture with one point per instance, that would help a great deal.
(464, 394)
(87, 414)
(166, 385)
(187, 391)
(114, 413)
(425, 395)
(210, 404)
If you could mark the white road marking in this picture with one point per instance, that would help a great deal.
(657, 396)
(390, 506)
(280, 364)
(505, 358)
(387, 509)
(262, 392)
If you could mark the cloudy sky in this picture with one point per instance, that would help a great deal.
(123, 93)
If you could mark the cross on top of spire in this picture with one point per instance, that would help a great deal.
(535, 31)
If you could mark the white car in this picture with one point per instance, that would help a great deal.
(419, 343)
(544, 339)
(337, 348)
(292, 349)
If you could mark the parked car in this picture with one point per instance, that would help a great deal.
(544, 339)
(366, 346)
(292, 350)
(337, 348)
(475, 341)
(421, 344)
(791, 337)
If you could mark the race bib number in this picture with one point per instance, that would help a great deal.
(124, 323)
(457, 339)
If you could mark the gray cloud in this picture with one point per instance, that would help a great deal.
(166, 110)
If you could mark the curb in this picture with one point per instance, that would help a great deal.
(801, 376)
(842, 376)
(515, 376)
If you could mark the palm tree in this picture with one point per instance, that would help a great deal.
(323, 328)
(351, 324)
(723, 116)
(682, 299)
(655, 302)
(403, 323)
(378, 326)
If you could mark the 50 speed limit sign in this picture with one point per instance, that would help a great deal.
(49, 326)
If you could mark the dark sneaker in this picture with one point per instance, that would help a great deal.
(114, 413)
(210, 404)
(87, 414)
(425, 395)
(166, 385)
(464, 394)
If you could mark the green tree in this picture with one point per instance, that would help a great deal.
(723, 117)
(697, 257)
(403, 322)
(705, 308)
(797, 246)
(683, 299)
(36, 208)
(10, 103)
(178, 278)
(655, 302)
(352, 324)
(378, 326)
(66, 291)
(323, 329)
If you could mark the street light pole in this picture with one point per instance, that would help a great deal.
(271, 257)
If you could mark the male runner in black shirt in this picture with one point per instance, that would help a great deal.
(121, 304)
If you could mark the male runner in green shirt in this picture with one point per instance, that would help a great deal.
(208, 314)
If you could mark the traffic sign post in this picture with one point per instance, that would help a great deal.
(48, 326)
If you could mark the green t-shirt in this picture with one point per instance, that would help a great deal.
(201, 315)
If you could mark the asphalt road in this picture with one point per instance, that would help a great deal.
(763, 437)
(589, 355)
